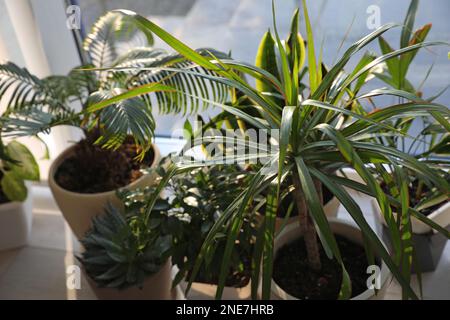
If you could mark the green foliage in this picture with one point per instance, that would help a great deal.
(197, 199)
(119, 57)
(17, 165)
(431, 142)
(324, 128)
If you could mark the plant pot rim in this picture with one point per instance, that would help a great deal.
(232, 293)
(385, 273)
(67, 152)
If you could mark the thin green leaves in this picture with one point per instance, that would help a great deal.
(269, 231)
(285, 132)
(286, 72)
(408, 24)
(314, 78)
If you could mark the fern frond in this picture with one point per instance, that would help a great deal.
(128, 117)
(21, 86)
(111, 36)
(78, 84)
(177, 102)
(36, 120)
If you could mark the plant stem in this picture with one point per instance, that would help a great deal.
(307, 227)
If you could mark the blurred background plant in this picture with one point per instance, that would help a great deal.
(17, 165)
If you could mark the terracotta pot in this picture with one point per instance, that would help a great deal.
(156, 287)
(79, 208)
(15, 223)
(339, 227)
(202, 291)
(331, 210)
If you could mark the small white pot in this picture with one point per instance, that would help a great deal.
(441, 216)
(208, 291)
(155, 287)
(339, 227)
(331, 210)
(15, 223)
(79, 208)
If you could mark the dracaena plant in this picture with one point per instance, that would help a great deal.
(321, 129)
(36, 104)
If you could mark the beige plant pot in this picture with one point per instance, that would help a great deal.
(339, 227)
(79, 208)
(331, 210)
(155, 287)
(202, 291)
(15, 223)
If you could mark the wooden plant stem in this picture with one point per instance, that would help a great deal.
(307, 227)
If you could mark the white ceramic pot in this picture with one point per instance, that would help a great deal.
(441, 216)
(155, 287)
(339, 227)
(15, 223)
(79, 208)
(331, 210)
(202, 291)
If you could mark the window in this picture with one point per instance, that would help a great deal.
(236, 26)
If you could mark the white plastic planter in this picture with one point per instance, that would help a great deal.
(339, 227)
(441, 216)
(155, 287)
(15, 223)
(79, 208)
(428, 243)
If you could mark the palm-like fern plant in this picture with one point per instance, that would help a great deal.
(322, 127)
(36, 105)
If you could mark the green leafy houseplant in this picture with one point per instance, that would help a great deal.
(17, 166)
(197, 200)
(430, 145)
(433, 140)
(322, 128)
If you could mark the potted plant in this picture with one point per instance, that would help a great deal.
(320, 130)
(17, 166)
(197, 199)
(127, 254)
(289, 251)
(118, 140)
(430, 145)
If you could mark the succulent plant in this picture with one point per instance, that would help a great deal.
(122, 249)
